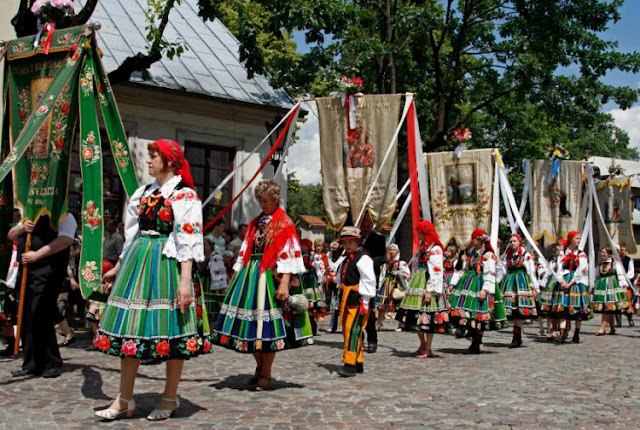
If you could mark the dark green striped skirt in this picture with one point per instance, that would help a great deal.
(142, 318)
(252, 320)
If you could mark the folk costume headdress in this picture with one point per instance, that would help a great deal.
(428, 230)
(482, 236)
(281, 229)
(171, 151)
(520, 248)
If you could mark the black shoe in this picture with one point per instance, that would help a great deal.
(515, 344)
(22, 373)
(53, 372)
(631, 323)
(347, 371)
(359, 367)
(576, 336)
(619, 324)
(372, 348)
(459, 333)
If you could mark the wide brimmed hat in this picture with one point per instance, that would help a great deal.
(350, 232)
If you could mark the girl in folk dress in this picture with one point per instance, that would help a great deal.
(544, 324)
(476, 303)
(394, 274)
(519, 287)
(254, 317)
(151, 312)
(570, 300)
(424, 307)
(548, 285)
(609, 295)
(312, 289)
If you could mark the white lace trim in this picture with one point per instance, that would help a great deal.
(251, 314)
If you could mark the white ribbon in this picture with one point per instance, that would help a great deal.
(351, 115)
(403, 189)
(407, 103)
(614, 248)
(257, 148)
(396, 224)
(510, 204)
(495, 207)
(292, 129)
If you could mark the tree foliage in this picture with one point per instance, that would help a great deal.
(303, 199)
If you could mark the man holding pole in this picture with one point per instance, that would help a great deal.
(44, 256)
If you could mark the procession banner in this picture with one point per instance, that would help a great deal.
(46, 95)
(461, 193)
(351, 159)
(556, 200)
(615, 203)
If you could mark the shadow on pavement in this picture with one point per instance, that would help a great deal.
(464, 351)
(239, 382)
(330, 344)
(332, 368)
(146, 402)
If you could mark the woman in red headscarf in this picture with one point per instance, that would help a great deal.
(476, 303)
(424, 306)
(519, 287)
(570, 300)
(152, 312)
(547, 285)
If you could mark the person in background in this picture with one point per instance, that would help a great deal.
(321, 266)
(47, 260)
(236, 243)
(376, 247)
(217, 237)
(334, 258)
(8, 300)
(628, 265)
(121, 228)
(229, 259)
(394, 274)
(610, 291)
(312, 289)
(113, 242)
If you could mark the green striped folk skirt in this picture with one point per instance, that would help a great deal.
(571, 304)
(417, 315)
(608, 296)
(518, 295)
(252, 320)
(468, 311)
(142, 318)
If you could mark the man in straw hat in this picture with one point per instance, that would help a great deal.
(357, 281)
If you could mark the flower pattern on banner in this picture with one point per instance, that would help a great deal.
(24, 105)
(91, 217)
(86, 81)
(120, 153)
(89, 149)
(59, 121)
(39, 173)
(91, 274)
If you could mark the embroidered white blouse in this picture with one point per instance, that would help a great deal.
(581, 275)
(529, 266)
(403, 273)
(435, 268)
(187, 208)
(218, 272)
(488, 263)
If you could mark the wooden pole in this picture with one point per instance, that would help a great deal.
(23, 287)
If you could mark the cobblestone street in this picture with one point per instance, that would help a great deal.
(591, 385)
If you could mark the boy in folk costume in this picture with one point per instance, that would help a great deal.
(357, 281)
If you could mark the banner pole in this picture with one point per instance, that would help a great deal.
(23, 286)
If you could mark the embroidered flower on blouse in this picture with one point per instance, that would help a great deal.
(284, 256)
(165, 214)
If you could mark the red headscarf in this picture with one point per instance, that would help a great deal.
(172, 152)
(307, 243)
(570, 237)
(520, 250)
(483, 237)
(430, 235)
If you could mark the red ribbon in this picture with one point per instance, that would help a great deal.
(272, 151)
(413, 174)
(50, 27)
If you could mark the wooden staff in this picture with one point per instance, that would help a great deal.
(23, 287)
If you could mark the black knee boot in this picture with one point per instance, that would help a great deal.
(516, 342)
(576, 336)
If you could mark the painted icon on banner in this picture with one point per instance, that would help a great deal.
(358, 149)
(461, 185)
(558, 198)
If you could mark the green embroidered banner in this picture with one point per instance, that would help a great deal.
(46, 95)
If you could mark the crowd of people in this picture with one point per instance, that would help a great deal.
(173, 291)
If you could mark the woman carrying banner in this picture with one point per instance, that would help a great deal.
(609, 295)
(394, 274)
(151, 311)
(519, 287)
(253, 318)
(476, 303)
(570, 299)
(424, 307)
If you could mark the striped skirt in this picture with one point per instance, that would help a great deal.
(608, 296)
(312, 290)
(384, 298)
(252, 320)
(467, 311)
(142, 318)
(417, 315)
(518, 295)
(571, 304)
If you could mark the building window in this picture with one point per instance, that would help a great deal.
(209, 166)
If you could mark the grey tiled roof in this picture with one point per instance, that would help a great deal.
(210, 65)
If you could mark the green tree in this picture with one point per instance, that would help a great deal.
(303, 199)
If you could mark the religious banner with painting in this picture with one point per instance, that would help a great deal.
(352, 156)
(615, 204)
(557, 198)
(46, 95)
(461, 191)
